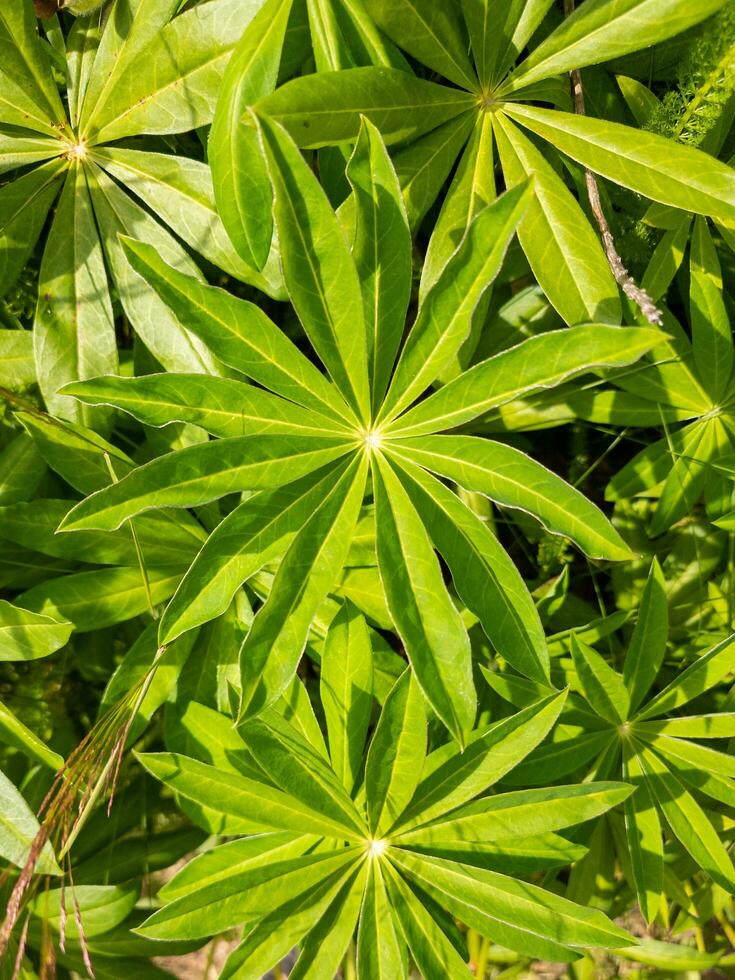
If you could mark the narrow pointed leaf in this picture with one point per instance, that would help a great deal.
(243, 336)
(272, 649)
(436, 641)
(26, 635)
(704, 673)
(253, 534)
(396, 755)
(485, 578)
(241, 185)
(200, 473)
(512, 479)
(514, 913)
(601, 685)
(458, 776)
(382, 253)
(645, 843)
(648, 642)
(445, 316)
(222, 406)
(650, 165)
(319, 271)
(239, 796)
(379, 953)
(535, 364)
(607, 29)
(688, 821)
(564, 252)
(526, 813)
(325, 109)
(345, 690)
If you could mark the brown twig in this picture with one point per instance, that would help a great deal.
(623, 278)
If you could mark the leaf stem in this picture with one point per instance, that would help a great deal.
(623, 278)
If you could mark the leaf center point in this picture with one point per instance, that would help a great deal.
(376, 848)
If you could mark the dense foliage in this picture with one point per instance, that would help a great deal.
(367, 446)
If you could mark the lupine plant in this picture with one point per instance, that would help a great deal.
(367, 599)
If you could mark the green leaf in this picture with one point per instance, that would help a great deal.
(26, 635)
(180, 192)
(381, 251)
(648, 642)
(688, 821)
(18, 828)
(444, 318)
(201, 473)
(704, 673)
(157, 326)
(240, 796)
(278, 932)
(100, 908)
(699, 726)
(33, 525)
(241, 185)
(25, 65)
(512, 479)
(538, 363)
(17, 365)
(606, 29)
(345, 691)
(222, 406)
(228, 860)
(485, 578)
(675, 957)
(171, 84)
(309, 570)
(527, 813)
(14, 733)
(125, 34)
(379, 948)
(432, 33)
(711, 330)
(452, 776)
(94, 600)
(74, 335)
(319, 271)
(18, 148)
(323, 949)
(645, 844)
(513, 22)
(649, 164)
(326, 109)
(429, 625)
(253, 534)
(471, 190)
(601, 685)
(425, 164)
(243, 336)
(24, 206)
(343, 35)
(432, 951)
(396, 755)
(242, 895)
(516, 914)
(562, 249)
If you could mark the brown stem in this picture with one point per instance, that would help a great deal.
(623, 278)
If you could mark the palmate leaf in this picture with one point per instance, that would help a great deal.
(325, 110)
(611, 734)
(129, 72)
(289, 889)
(304, 423)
